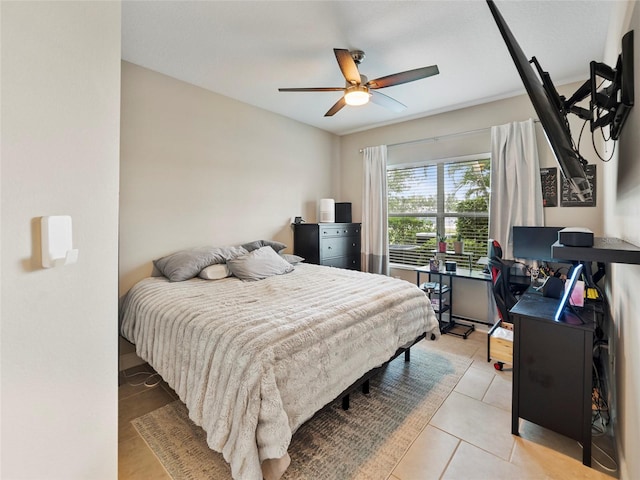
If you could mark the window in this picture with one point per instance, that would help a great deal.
(433, 199)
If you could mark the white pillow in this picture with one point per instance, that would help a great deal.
(258, 264)
(215, 272)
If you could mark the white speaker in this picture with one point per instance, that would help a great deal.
(327, 210)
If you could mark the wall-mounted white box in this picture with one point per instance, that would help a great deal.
(57, 241)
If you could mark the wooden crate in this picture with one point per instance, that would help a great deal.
(501, 343)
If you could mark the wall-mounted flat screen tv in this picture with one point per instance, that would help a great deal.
(548, 107)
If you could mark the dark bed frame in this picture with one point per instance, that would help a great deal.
(363, 382)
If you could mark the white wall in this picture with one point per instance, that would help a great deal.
(470, 119)
(60, 140)
(198, 168)
(622, 211)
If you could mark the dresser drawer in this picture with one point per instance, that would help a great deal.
(339, 230)
(348, 262)
(339, 246)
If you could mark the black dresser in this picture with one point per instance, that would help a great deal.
(331, 244)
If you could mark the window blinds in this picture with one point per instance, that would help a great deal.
(435, 199)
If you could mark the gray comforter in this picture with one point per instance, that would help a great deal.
(252, 361)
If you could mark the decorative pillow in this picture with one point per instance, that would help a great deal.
(258, 264)
(292, 259)
(186, 264)
(215, 272)
(251, 246)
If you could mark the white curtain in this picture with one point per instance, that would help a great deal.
(375, 245)
(516, 191)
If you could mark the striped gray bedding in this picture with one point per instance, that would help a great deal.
(252, 361)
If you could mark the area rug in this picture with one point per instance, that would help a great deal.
(363, 443)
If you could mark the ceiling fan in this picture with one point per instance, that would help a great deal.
(359, 89)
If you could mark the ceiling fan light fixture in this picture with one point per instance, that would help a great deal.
(358, 90)
(357, 95)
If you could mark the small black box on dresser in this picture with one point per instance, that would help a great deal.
(343, 212)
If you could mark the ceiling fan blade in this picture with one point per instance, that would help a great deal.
(336, 107)
(387, 102)
(348, 66)
(403, 77)
(312, 89)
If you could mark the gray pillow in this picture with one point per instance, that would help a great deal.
(186, 264)
(256, 244)
(258, 264)
(292, 259)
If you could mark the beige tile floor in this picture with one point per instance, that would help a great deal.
(468, 437)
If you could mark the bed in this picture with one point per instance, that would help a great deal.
(253, 360)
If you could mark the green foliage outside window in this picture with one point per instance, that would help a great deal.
(413, 208)
(402, 228)
(474, 230)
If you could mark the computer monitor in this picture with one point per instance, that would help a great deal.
(564, 301)
(534, 243)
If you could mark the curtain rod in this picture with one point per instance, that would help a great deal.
(439, 137)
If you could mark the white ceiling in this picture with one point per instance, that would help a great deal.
(246, 50)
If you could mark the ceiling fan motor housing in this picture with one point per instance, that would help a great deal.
(357, 55)
(363, 81)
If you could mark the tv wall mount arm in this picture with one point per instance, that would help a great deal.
(616, 99)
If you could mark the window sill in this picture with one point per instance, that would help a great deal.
(401, 266)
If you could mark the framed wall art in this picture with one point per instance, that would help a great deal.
(569, 199)
(549, 180)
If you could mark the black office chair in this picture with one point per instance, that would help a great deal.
(500, 272)
(501, 288)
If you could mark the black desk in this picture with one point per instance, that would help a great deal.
(520, 280)
(452, 326)
(552, 369)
